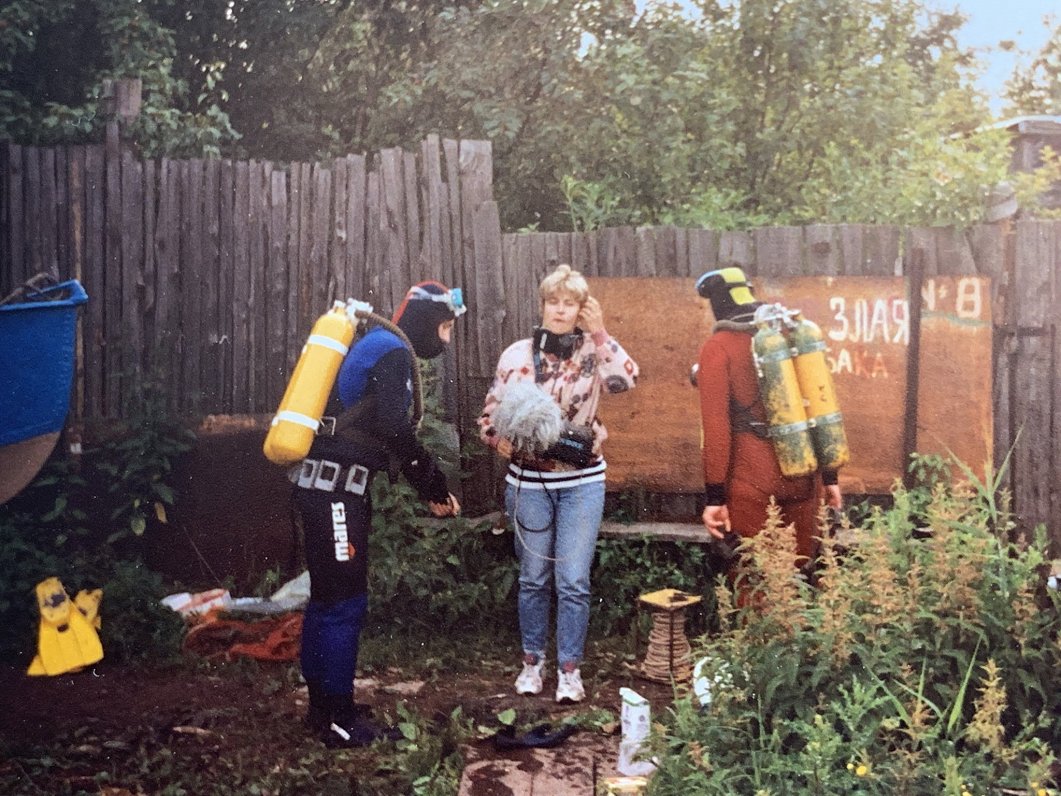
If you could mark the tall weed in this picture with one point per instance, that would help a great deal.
(925, 660)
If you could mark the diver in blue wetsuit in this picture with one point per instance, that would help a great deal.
(373, 432)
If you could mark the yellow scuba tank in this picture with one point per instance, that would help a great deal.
(298, 417)
(779, 389)
(816, 385)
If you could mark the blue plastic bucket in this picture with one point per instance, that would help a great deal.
(37, 339)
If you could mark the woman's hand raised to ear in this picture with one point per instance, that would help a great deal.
(591, 316)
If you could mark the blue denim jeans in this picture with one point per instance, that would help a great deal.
(556, 536)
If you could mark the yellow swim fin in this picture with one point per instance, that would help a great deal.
(87, 603)
(67, 640)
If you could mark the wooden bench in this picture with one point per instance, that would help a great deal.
(661, 531)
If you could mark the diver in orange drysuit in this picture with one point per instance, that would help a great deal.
(741, 471)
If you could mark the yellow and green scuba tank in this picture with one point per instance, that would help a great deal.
(816, 385)
(67, 640)
(779, 389)
(797, 390)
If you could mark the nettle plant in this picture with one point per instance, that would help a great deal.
(452, 574)
(925, 659)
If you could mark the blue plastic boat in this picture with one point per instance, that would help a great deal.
(38, 329)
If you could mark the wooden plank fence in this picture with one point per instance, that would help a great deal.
(206, 275)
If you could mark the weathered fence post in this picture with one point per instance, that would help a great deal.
(915, 278)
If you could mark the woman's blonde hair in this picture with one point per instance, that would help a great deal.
(564, 280)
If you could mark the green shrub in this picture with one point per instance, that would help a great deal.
(25, 559)
(627, 568)
(136, 626)
(435, 574)
(81, 520)
(442, 574)
(925, 661)
(132, 465)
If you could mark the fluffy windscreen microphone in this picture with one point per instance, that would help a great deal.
(528, 418)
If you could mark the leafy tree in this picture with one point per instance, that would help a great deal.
(755, 112)
(307, 79)
(252, 59)
(512, 71)
(1036, 89)
(665, 134)
(832, 110)
(55, 54)
(752, 112)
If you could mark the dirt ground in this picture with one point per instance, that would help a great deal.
(200, 715)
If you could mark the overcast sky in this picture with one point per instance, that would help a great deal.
(992, 21)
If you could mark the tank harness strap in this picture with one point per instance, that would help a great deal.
(296, 417)
(327, 342)
(329, 476)
(741, 419)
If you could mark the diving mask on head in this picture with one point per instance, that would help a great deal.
(452, 298)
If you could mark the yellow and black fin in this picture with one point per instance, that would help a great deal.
(67, 640)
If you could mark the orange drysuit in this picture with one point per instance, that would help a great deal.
(740, 468)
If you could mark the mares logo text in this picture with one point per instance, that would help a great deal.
(339, 534)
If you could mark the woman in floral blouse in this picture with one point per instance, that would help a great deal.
(556, 504)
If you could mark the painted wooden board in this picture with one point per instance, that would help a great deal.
(654, 431)
(955, 412)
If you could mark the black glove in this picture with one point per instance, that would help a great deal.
(722, 554)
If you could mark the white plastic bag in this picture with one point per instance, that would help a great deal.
(635, 717)
(188, 604)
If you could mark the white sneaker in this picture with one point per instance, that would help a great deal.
(569, 687)
(530, 679)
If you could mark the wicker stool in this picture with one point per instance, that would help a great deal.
(669, 656)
